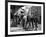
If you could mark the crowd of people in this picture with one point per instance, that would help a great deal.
(25, 19)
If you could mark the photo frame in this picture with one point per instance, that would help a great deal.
(24, 18)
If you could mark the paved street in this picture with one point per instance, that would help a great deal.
(20, 28)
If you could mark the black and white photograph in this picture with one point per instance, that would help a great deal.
(24, 18)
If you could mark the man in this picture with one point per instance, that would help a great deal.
(36, 21)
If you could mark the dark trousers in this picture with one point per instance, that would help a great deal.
(36, 21)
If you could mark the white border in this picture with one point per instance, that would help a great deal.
(10, 33)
